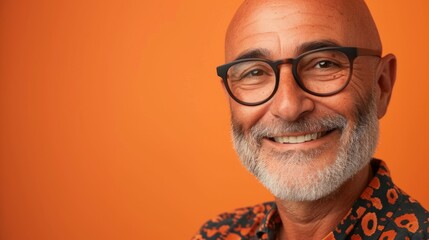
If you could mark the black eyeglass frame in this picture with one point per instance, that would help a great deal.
(351, 52)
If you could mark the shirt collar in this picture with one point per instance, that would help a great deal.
(377, 201)
(270, 224)
(379, 190)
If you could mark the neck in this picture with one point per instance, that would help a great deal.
(316, 219)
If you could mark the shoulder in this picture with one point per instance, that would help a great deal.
(410, 219)
(241, 222)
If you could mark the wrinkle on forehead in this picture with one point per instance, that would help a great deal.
(272, 37)
(351, 16)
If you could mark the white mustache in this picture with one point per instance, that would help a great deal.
(303, 125)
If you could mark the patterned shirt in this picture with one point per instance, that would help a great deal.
(383, 211)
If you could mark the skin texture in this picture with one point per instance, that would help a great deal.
(281, 27)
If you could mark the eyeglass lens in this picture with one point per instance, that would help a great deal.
(321, 72)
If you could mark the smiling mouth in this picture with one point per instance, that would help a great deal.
(300, 138)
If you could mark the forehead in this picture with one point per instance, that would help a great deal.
(281, 27)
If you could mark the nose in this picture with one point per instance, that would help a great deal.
(290, 102)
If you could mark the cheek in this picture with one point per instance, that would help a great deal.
(360, 90)
(344, 104)
(363, 82)
(246, 116)
(356, 94)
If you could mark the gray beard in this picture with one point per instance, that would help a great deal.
(285, 180)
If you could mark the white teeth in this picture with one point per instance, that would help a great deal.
(299, 139)
(314, 136)
(307, 137)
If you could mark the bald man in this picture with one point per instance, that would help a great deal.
(307, 83)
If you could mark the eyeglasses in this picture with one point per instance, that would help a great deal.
(321, 72)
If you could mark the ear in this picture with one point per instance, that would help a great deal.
(385, 79)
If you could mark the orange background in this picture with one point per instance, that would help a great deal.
(113, 124)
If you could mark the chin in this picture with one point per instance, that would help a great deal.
(304, 177)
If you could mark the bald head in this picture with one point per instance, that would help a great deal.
(284, 24)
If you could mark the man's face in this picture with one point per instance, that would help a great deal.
(303, 147)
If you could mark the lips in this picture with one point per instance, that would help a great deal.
(300, 138)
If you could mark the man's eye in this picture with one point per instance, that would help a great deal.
(326, 64)
(254, 73)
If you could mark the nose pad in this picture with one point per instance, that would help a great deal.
(290, 102)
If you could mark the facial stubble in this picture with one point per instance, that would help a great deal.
(294, 175)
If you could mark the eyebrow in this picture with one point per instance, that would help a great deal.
(305, 47)
(308, 46)
(254, 53)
